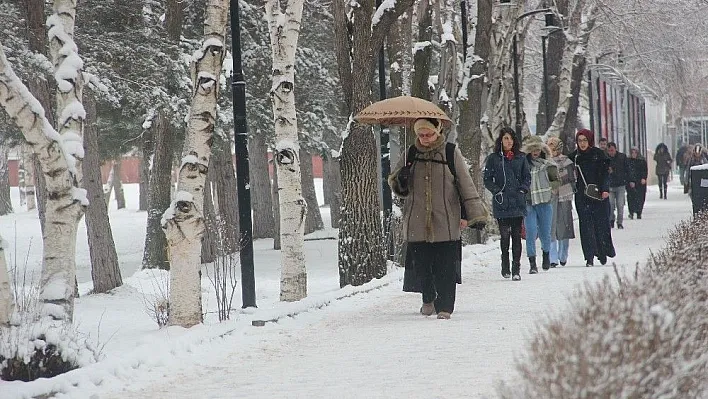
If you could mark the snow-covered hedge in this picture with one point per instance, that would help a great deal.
(33, 349)
(640, 336)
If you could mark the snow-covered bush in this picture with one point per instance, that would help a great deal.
(641, 336)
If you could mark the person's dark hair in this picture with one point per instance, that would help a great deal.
(603, 140)
(612, 144)
(661, 147)
(498, 142)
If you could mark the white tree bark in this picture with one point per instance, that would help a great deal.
(284, 33)
(183, 222)
(58, 279)
(66, 200)
(6, 302)
(577, 39)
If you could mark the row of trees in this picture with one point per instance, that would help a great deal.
(143, 90)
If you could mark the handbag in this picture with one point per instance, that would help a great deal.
(591, 190)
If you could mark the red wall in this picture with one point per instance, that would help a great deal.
(130, 170)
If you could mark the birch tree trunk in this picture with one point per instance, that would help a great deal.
(58, 279)
(573, 65)
(59, 156)
(5, 201)
(183, 222)
(158, 198)
(6, 301)
(284, 33)
(105, 271)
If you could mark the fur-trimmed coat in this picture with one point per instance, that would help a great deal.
(432, 206)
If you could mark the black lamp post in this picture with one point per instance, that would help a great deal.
(238, 87)
(517, 99)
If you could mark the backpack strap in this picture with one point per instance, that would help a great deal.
(449, 158)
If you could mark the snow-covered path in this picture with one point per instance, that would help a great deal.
(376, 345)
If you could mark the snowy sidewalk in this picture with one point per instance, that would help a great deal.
(377, 346)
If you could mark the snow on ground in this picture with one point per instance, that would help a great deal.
(373, 344)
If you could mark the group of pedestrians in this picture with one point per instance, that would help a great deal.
(533, 187)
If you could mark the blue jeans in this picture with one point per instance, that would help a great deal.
(538, 224)
(559, 251)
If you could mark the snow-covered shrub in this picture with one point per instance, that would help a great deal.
(642, 336)
(42, 349)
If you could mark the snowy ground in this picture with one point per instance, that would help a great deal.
(370, 345)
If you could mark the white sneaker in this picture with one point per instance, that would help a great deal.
(516, 277)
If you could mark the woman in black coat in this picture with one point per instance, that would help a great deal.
(508, 178)
(637, 172)
(593, 206)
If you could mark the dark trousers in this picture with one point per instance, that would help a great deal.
(595, 234)
(636, 197)
(663, 183)
(435, 264)
(510, 230)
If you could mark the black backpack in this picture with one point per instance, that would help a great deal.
(449, 160)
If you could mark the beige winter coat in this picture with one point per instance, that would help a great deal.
(431, 211)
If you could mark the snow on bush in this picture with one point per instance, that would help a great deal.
(641, 336)
(42, 348)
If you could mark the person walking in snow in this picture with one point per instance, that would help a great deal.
(508, 178)
(562, 229)
(539, 208)
(591, 198)
(637, 172)
(663, 160)
(618, 180)
(432, 216)
(698, 157)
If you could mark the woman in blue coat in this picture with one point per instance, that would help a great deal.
(507, 177)
(593, 206)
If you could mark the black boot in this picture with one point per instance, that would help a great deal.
(506, 273)
(532, 263)
(516, 271)
(639, 215)
(546, 261)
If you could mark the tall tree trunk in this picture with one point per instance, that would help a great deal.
(275, 189)
(554, 59)
(62, 218)
(423, 52)
(117, 184)
(66, 200)
(6, 298)
(5, 201)
(226, 195)
(184, 221)
(36, 189)
(263, 221)
(335, 209)
(210, 240)
(362, 255)
(146, 153)
(105, 270)
(313, 219)
(284, 28)
(327, 180)
(155, 254)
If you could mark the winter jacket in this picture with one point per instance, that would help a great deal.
(663, 163)
(618, 170)
(432, 206)
(508, 181)
(544, 173)
(636, 170)
(566, 174)
(593, 164)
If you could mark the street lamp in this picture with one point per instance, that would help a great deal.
(517, 96)
(238, 89)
